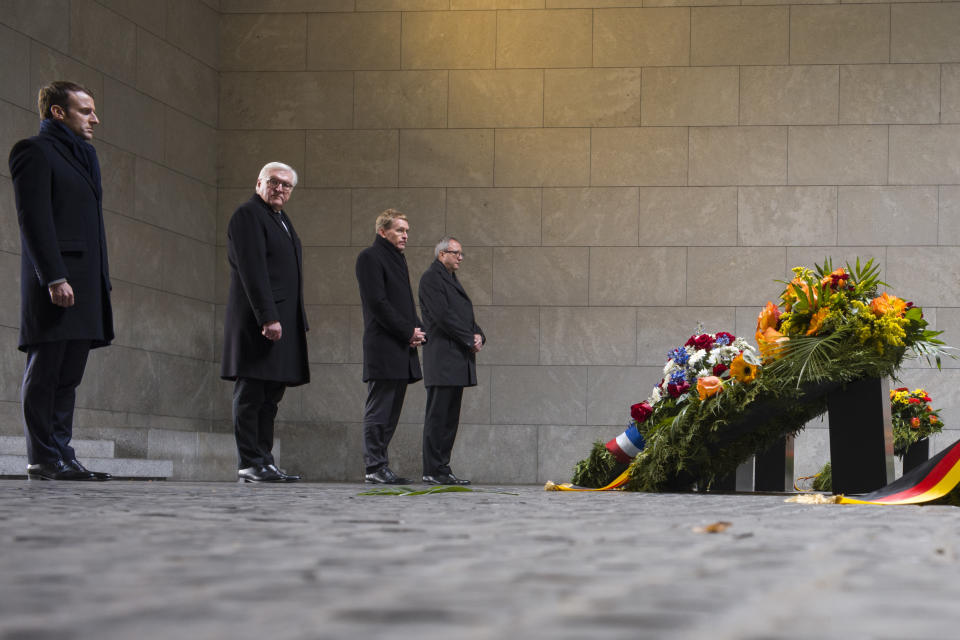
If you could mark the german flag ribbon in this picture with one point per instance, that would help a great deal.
(616, 484)
(933, 479)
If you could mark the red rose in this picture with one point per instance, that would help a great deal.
(729, 336)
(718, 369)
(914, 400)
(677, 390)
(703, 341)
(640, 411)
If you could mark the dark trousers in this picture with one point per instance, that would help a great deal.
(49, 392)
(440, 428)
(380, 417)
(255, 405)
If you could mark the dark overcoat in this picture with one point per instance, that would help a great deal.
(448, 356)
(389, 314)
(266, 285)
(59, 208)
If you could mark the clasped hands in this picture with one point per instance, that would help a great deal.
(418, 337)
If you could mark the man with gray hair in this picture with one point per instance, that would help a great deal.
(449, 358)
(265, 324)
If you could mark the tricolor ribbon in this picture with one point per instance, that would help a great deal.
(933, 479)
(627, 445)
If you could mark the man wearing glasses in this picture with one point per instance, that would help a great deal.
(265, 325)
(449, 358)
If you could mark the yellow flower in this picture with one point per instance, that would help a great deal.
(743, 370)
(708, 386)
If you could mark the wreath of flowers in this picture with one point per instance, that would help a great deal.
(912, 417)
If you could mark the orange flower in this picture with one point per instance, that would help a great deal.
(915, 423)
(817, 320)
(834, 278)
(743, 370)
(934, 419)
(769, 318)
(770, 342)
(798, 290)
(887, 304)
(708, 386)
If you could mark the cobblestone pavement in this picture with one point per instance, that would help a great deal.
(138, 561)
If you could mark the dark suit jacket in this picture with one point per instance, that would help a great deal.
(448, 357)
(389, 314)
(62, 236)
(266, 285)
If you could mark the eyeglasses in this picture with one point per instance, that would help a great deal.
(273, 183)
(459, 254)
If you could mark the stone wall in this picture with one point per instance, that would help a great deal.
(617, 174)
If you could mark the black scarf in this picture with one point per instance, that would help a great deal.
(83, 151)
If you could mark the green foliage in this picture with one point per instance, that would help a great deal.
(824, 479)
(599, 469)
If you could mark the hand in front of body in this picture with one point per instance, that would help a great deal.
(61, 294)
(271, 330)
(418, 337)
(477, 342)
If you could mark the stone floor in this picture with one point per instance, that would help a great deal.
(142, 560)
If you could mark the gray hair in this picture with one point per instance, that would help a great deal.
(271, 166)
(443, 245)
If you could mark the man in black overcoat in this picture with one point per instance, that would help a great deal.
(64, 280)
(265, 324)
(391, 335)
(449, 358)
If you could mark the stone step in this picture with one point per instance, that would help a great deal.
(120, 468)
(17, 446)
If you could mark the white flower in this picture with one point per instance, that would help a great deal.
(696, 357)
(670, 367)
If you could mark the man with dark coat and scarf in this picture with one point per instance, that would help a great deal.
(64, 280)
(391, 335)
(449, 359)
(265, 324)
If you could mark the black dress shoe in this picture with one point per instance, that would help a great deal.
(258, 474)
(97, 475)
(287, 477)
(444, 478)
(58, 470)
(384, 475)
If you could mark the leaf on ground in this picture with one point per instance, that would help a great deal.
(716, 527)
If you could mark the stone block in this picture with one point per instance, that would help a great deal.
(476, 275)
(589, 336)
(552, 276)
(45, 20)
(840, 256)
(10, 413)
(839, 34)
(690, 96)
(542, 157)
(513, 335)
(449, 40)
(135, 250)
(446, 157)
(539, 395)
(177, 79)
(418, 259)
(151, 16)
(460, 5)
(159, 321)
(263, 41)
(560, 447)
(660, 329)
(738, 155)
(424, 209)
(498, 217)
(495, 454)
(241, 155)
(635, 276)
(536, 39)
(948, 321)
(950, 93)
(948, 232)
(847, 154)
(284, 6)
(194, 27)
(401, 99)
(890, 94)
(933, 281)
(590, 216)
(103, 39)
(591, 97)
(321, 217)
(116, 177)
(638, 156)
(322, 452)
(15, 83)
(190, 146)
(887, 215)
(183, 449)
(925, 154)
(143, 135)
(697, 215)
(9, 226)
(10, 289)
(475, 408)
(338, 394)
(402, 5)
(787, 216)
(16, 124)
(351, 159)
(414, 404)
(330, 275)
(801, 94)
(188, 265)
(811, 448)
(175, 202)
(228, 200)
(47, 64)
(739, 35)
(635, 37)
(612, 390)
(11, 367)
(925, 32)
(732, 276)
(293, 100)
(350, 41)
(496, 98)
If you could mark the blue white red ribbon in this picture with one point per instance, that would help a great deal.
(627, 445)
